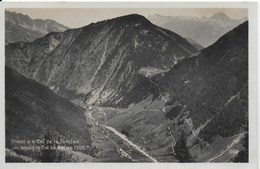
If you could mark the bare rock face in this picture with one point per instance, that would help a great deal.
(99, 63)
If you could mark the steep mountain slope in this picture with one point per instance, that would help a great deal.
(19, 27)
(204, 30)
(209, 92)
(100, 63)
(32, 111)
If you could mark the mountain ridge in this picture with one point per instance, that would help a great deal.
(28, 29)
(205, 30)
(98, 59)
(211, 78)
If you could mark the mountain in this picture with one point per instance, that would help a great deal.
(34, 112)
(195, 44)
(204, 30)
(101, 63)
(220, 17)
(208, 95)
(158, 19)
(148, 94)
(19, 27)
(244, 19)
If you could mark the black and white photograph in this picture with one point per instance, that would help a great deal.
(127, 85)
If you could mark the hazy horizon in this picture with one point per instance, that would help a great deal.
(76, 17)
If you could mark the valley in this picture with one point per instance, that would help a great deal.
(116, 144)
(131, 92)
(118, 135)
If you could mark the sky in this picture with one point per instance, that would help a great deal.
(78, 17)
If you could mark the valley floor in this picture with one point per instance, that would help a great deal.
(118, 134)
(141, 133)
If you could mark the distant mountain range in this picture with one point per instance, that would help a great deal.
(19, 27)
(205, 31)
